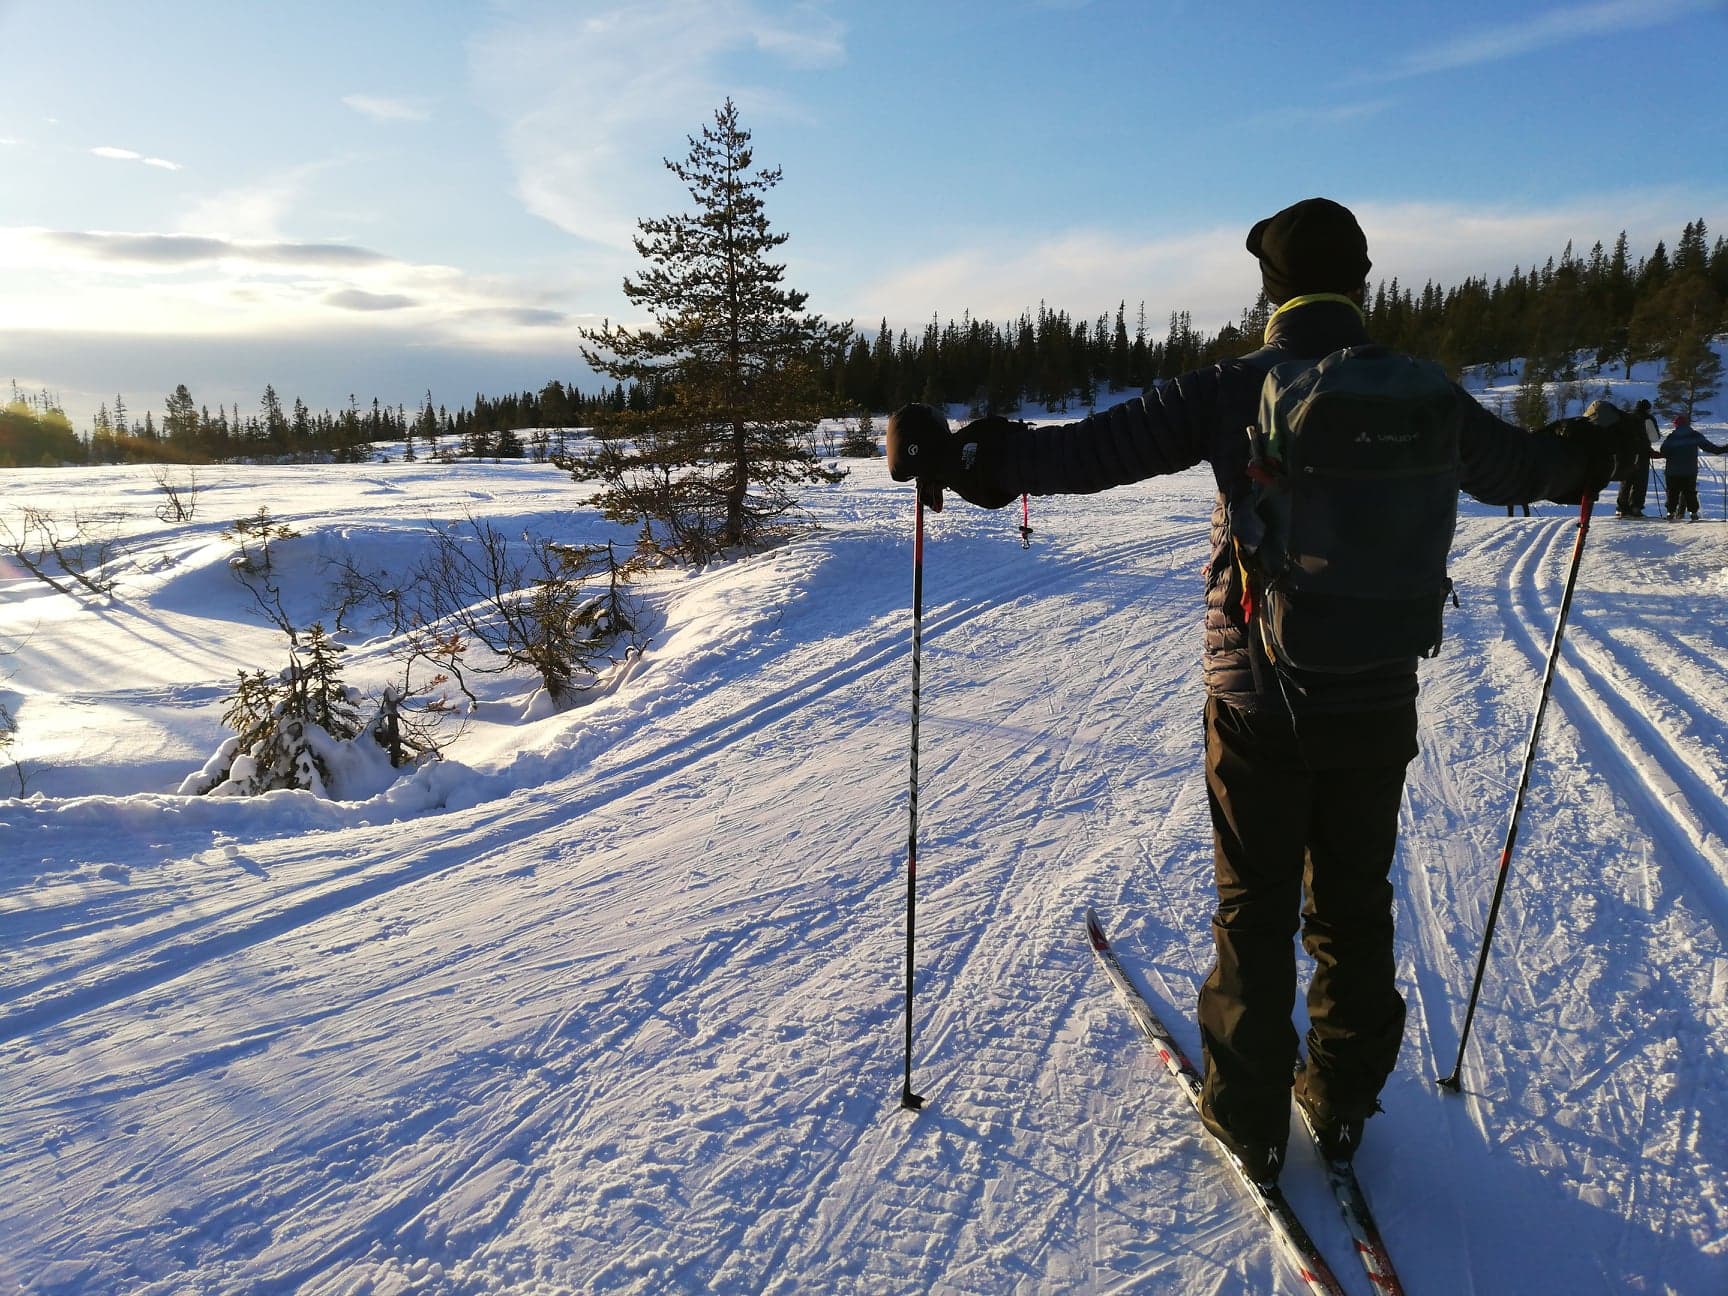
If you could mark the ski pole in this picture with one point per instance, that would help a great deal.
(1451, 1081)
(909, 1100)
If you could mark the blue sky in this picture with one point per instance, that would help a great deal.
(388, 197)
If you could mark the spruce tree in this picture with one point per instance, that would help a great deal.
(317, 691)
(180, 419)
(275, 421)
(1692, 379)
(1530, 408)
(1677, 324)
(733, 362)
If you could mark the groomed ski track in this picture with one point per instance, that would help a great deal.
(624, 1016)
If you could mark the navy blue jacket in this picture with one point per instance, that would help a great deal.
(1680, 451)
(1203, 416)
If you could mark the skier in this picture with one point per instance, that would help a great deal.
(1680, 453)
(1304, 771)
(1634, 467)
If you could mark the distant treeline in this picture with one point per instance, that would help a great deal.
(35, 432)
(1601, 305)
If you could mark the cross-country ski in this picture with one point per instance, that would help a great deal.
(1292, 1238)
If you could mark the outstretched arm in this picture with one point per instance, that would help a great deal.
(1169, 428)
(1504, 464)
(993, 461)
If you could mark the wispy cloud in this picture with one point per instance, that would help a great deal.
(128, 155)
(355, 300)
(209, 285)
(380, 108)
(589, 102)
(521, 316)
(1556, 27)
(368, 355)
(175, 250)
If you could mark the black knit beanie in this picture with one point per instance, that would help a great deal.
(1313, 246)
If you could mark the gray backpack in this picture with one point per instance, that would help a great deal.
(1343, 544)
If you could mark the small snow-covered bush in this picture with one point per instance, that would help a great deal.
(290, 729)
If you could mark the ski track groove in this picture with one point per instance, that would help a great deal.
(1665, 792)
(1608, 704)
(170, 961)
(1429, 827)
(1674, 795)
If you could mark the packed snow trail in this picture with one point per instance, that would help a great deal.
(612, 1004)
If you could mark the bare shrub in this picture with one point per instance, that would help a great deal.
(181, 500)
(44, 549)
(529, 604)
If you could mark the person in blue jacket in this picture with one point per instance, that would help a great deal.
(1680, 451)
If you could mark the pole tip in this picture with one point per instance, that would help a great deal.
(1449, 1083)
(911, 1101)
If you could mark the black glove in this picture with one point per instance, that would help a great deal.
(920, 445)
(1598, 443)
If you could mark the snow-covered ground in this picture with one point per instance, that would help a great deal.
(610, 1001)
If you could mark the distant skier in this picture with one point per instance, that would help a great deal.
(1680, 454)
(1634, 467)
(1304, 768)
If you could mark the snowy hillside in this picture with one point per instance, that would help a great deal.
(610, 1000)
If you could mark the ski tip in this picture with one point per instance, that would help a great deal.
(1095, 931)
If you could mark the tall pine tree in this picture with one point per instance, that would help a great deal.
(733, 357)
